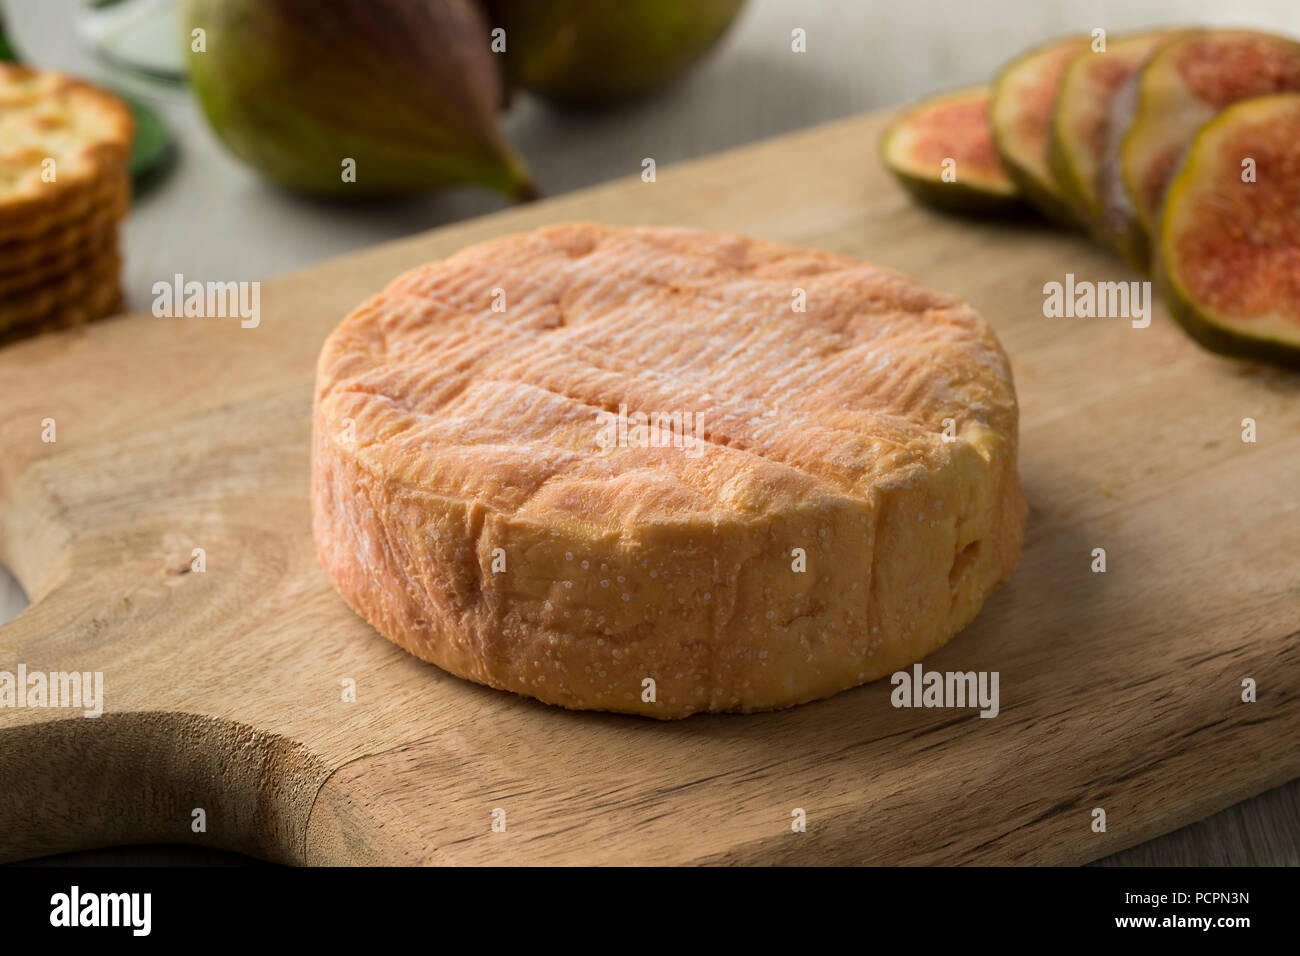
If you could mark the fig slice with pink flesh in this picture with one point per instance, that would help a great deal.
(1079, 134)
(1181, 87)
(1020, 112)
(941, 151)
(1229, 240)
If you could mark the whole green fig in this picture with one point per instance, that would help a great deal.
(354, 97)
(594, 52)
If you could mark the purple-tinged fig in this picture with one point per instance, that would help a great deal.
(354, 97)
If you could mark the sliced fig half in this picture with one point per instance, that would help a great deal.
(1024, 95)
(1118, 226)
(1182, 86)
(941, 150)
(1078, 137)
(1229, 262)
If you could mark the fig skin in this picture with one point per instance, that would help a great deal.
(962, 199)
(598, 52)
(989, 193)
(1217, 339)
(409, 89)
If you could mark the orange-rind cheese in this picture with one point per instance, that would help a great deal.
(662, 471)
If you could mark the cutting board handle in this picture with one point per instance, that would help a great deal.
(80, 783)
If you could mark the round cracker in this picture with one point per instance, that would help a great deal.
(112, 193)
(106, 302)
(48, 116)
(19, 254)
(81, 256)
(84, 283)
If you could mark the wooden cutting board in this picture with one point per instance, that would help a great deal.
(223, 688)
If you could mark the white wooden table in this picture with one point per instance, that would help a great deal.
(214, 219)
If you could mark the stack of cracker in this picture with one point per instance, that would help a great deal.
(64, 186)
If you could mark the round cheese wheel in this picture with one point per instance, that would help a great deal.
(663, 471)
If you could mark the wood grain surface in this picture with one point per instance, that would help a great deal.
(1120, 690)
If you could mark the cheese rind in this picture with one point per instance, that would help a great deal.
(849, 500)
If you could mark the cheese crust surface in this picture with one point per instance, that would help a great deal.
(662, 471)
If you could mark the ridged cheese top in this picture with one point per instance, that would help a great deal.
(497, 376)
